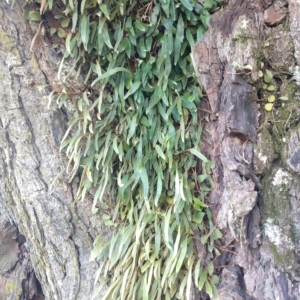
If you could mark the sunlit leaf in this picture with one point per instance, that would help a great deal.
(269, 106)
(271, 98)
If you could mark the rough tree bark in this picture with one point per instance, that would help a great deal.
(256, 195)
(46, 237)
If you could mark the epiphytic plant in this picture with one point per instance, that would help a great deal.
(134, 137)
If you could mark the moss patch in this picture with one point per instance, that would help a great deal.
(276, 219)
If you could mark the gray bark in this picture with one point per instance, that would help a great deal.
(46, 236)
(59, 231)
(256, 196)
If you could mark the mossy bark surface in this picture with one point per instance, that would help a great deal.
(248, 58)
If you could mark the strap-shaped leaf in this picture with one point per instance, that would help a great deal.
(84, 30)
(110, 73)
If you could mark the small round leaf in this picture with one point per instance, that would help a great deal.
(65, 23)
(269, 106)
(271, 98)
(35, 16)
(267, 78)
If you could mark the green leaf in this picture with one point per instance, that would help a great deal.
(217, 234)
(198, 217)
(106, 37)
(160, 152)
(189, 283)
(140, 26)
(214, 291)
(110, 73)
(208, 288)
(82, 6)
(197, 271)
(198, 154)
(105, 217)
(157, 241)
(210, 268)
(271, 98)
(269, 73)
(26, 14)
(167, 228)
(182, 255)
(178, 39)
(285, 98)
(132, 89)
(144, 121)
(98, 247)
(65, 23)
(148, 43)
(182, 286)
(199, 202)
(202, 280)
(190, 38)
(104, 205)
(103, 8)
(61, 33)
(267, 78)
(214, 279)
(124, 283)
(202, 177)
(80, 102)
(203, 239)
(85, 30)
(35, 16)
(187, 4)
(176, 245)
(132, 128)
(144, 178)
(52, 31)
(209, 4)
(155, 98)
(74, 20)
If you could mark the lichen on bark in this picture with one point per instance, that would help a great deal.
(268, 251)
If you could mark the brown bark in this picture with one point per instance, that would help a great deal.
(59, 231)
(256, 195)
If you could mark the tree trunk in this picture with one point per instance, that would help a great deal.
(59, 232)
(249, 56)
(46, 236)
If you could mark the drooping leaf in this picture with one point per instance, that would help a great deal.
(85, 30)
